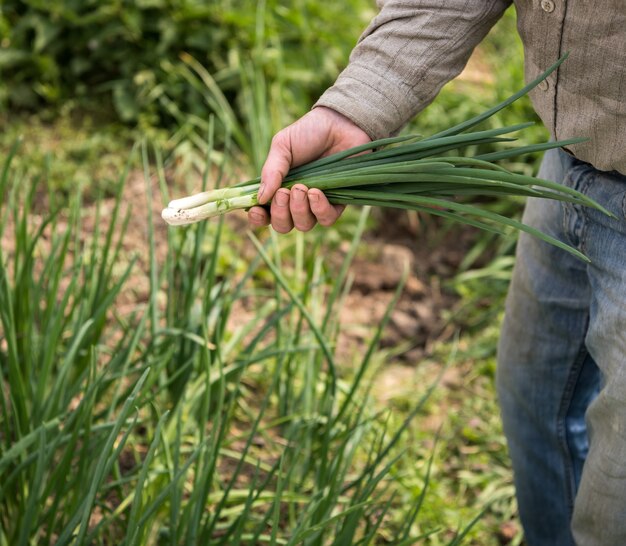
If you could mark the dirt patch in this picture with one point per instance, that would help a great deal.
(418, 320)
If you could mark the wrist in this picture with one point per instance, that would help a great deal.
(336, 117)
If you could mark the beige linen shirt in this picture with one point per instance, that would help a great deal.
(413, 47)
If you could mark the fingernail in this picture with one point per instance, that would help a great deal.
(261, 190)
(314, 197)
(298, 195)
(256, 216)
(281, 198)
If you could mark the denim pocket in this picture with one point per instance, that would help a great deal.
(609, 189)
(616, 194)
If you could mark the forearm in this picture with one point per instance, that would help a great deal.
(408, 52)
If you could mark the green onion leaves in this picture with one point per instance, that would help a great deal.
(412, 173)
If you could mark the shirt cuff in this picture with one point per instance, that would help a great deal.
(376, 104)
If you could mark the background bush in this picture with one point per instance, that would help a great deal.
(121, 52)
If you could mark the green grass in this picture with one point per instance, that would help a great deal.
(470, 469)
(231, 437)
(175, 422)
(72, 149)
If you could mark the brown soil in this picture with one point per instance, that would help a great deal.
(418, 320)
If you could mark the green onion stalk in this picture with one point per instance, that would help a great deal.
(413, 173)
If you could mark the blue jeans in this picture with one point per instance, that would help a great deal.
(561, 375)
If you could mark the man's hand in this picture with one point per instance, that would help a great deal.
(319, 133)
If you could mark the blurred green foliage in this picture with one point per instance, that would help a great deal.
(121, 59)
(119, 53)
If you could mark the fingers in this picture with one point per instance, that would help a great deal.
(276, 166)
(280, 212)
(303, 218)
(325, 213)
(299, 208)
(258, 217)
(302, 209)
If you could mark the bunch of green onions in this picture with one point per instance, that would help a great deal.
(408, 172)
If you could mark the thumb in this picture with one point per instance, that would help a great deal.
(276, 167)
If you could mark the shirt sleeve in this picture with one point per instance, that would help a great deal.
(404, 57)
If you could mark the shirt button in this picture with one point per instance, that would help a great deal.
(543, 85)
(547, 6)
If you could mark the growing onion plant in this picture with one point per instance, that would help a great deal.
(174, 423)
